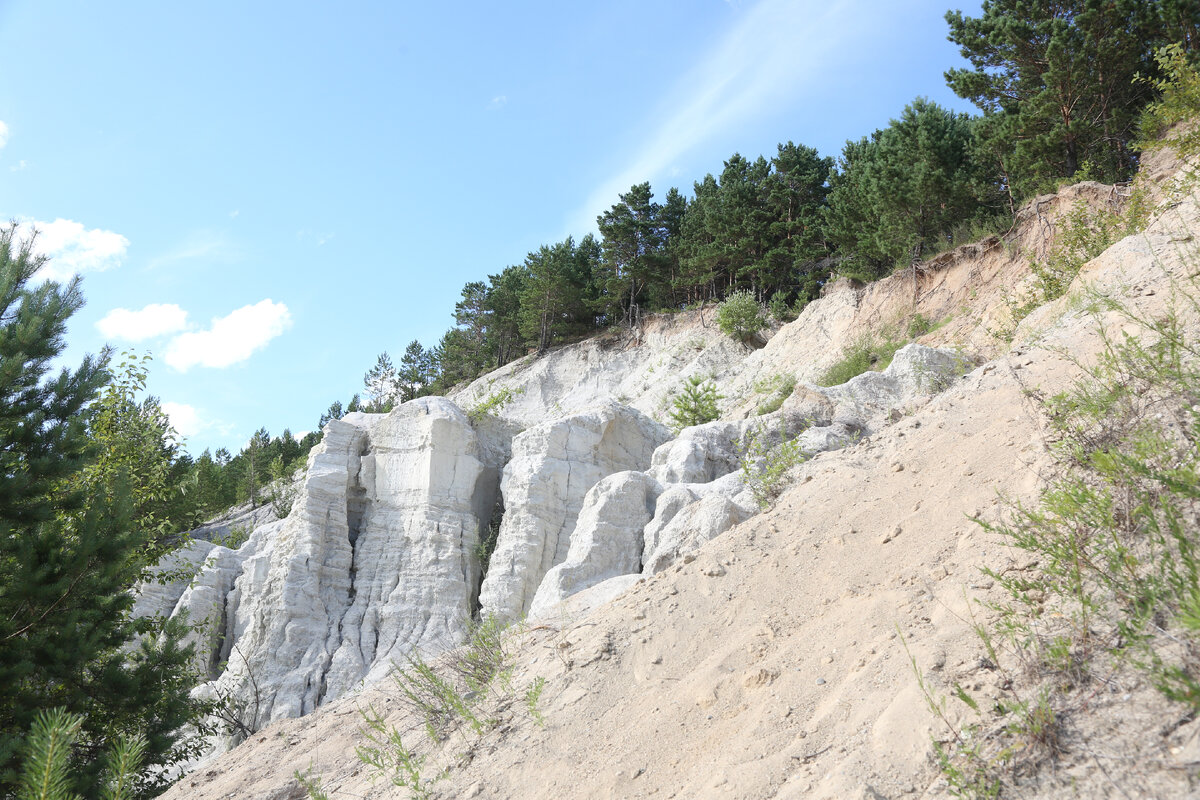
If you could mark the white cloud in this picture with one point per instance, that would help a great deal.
(299, 435)
(3, 134)
(20, 165)
(498, 102)
(155, 319)
(757, 65)
(71, 248)
(233, 214)
(184, 418)
(231, 339)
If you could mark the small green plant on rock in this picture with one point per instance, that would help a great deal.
(862, 355)
(764, 468)
(532, 695)
(389, 756)
(234, 538)
(282, 490)
(493, 403)
(741, 317)
(778, 388)
(696, 404)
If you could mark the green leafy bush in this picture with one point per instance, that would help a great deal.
(740, 316)
(863, 355)
(493, 403)
(778, 388)
(696, 404)
(1116, 586)
(764, 468)
(1167, 120)
(388, 755)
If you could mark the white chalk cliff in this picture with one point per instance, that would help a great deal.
(380, 555)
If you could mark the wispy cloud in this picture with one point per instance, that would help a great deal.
(156, 319)
(203, 244)
(318, 238)
(71, 248)
(20, 165)
(776, 47)
(230, 339)
(498, 102)
(3, 134)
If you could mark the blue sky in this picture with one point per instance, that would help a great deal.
(267, 195)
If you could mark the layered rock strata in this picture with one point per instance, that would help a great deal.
(378, 557)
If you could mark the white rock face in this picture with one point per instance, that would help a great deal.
(699, 522)
(702, 492)
(553, 466)
(607, 540)
(378, 557)
(916, 371)
(158, 597)
(688, 515)
(205, 601)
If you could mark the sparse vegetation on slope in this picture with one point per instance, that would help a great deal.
(1114, 596)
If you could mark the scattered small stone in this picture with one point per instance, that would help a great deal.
(820, 681)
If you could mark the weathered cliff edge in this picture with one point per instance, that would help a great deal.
(745, 654)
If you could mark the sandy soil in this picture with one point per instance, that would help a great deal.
(782, 662)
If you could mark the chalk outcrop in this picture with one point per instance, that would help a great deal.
(606, 541)
(694, 489)
(552, 468)
(378, 558)
(380, 554)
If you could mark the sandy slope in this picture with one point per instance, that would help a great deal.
(774, 664)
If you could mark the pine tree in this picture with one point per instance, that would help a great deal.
(904, 189)
(796, 192)
(632, 239)
(551, 291)
(1054, 79)
(416, 367)
(69, 553)
(382, 384)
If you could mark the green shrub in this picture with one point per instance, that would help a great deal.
(1082, 234)
(1116, 549)
(493, 403)
(283, 489)
(471, 684)
(778, 388)
(740, 316)
(388, 755)
(764, 468)
(1178, 105)
(696, 404)
(234, 538)
(780, 310)
(532, 695)
(862, 355)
